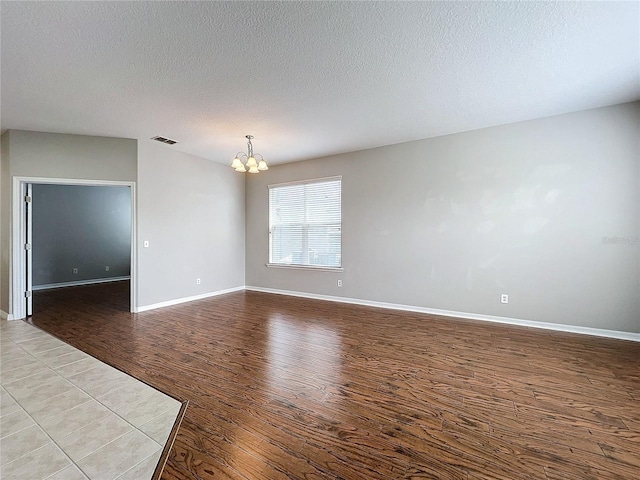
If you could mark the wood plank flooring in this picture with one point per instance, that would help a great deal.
(282, 387)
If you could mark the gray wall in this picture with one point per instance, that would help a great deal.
(546, 211)
(52, 155)
(56, 155)
(191, 211)
(5, 215)
(83, 227)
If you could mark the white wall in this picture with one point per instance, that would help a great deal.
(191, 211)
(450, 223)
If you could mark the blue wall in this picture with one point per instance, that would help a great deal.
(82, 227)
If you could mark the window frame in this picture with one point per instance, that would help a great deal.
(295, 266)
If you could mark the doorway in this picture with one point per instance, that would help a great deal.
(71, 272)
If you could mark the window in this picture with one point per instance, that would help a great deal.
(305, 223)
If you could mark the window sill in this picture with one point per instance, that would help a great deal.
(306, 267)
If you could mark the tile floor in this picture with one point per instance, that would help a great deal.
(66, 416)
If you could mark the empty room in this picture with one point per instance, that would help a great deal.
(320, 240)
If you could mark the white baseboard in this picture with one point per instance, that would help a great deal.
(177, 301)
(635, 337)
(50, 286)
(5, 316)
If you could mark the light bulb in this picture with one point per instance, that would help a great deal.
(262, 165)
(236, 163)
(252, 162)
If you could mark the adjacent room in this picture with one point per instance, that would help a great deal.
(80, 235)
(320, 240)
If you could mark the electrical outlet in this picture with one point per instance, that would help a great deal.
(504, 298)
(339, 283)
(198, 281)
(106, 269)
(75, 270)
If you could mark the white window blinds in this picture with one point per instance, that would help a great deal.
(305, 223)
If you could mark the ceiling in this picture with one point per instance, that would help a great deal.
(308, 79)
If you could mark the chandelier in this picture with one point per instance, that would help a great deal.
(251, 165)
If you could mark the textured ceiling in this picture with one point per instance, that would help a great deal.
(308, 79)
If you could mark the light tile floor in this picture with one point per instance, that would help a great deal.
(66, 416)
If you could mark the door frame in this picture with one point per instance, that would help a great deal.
(28, 206)
(18, 284)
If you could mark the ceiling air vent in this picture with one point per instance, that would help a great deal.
(168, 141)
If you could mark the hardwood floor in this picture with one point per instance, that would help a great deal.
(283, 387)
